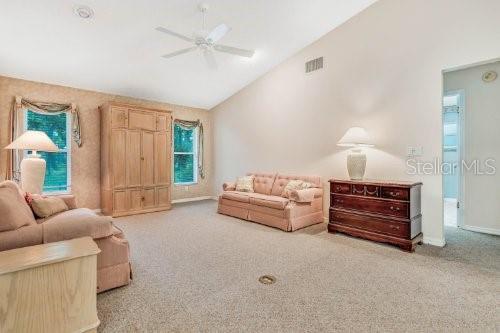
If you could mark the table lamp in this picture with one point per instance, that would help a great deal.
(33, 166)
(357, 138)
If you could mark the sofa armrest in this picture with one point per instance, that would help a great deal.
(229, 186)
(305, 195)
(69, 200)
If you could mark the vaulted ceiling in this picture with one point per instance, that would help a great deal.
(119, 51)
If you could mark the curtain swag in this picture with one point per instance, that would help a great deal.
(55, 108)
(16, 127)
(187, 124)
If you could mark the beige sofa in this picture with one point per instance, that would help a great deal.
(113, 265)
(267, 206)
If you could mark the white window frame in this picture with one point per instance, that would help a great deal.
(67, 151)
(195, 159)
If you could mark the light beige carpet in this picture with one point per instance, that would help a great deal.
(195, 270)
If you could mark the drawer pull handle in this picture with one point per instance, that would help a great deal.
(339, 200)
(142, 198)
(395, 227)
(395, 208)
(338, 188)
(142, 158)
(394, 194)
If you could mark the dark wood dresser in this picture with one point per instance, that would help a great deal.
(382, 211)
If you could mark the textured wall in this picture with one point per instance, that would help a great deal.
(85, 161)
(383, 71)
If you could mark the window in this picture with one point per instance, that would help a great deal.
(58, 128)
(185, 152)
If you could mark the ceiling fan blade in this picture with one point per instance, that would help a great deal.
(234, 50)
(209, 57)
(220, 31)
(176, 53)
(175, 34)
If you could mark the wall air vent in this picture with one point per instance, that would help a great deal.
(314, 65)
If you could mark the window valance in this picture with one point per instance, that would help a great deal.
(16, 126)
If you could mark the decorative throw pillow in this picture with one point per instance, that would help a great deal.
(14, 211)
(45, 207)
(245, 184)
(295, 185)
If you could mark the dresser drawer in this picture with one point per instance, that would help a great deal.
(398, 193)
(340, 188)
(369, 223)
(384, 207)
(366, 190)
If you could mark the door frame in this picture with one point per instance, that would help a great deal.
(461, 153)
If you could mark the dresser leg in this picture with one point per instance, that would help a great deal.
(407, 247)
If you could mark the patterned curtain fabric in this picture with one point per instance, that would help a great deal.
(187, 124)
(16, 125)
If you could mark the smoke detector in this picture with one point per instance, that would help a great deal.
(84, 12)
(489, 76)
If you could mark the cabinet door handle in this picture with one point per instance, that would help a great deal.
(143, 198)
(142, 158)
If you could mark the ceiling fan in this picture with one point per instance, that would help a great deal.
(206, 41)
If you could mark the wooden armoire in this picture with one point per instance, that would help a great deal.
(135, 159)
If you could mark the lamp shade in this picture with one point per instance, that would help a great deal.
(355, 137)
(33, 140)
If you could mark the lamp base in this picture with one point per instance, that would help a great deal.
(32, 174)
(356, 164)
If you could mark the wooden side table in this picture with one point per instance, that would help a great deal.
(49, 287)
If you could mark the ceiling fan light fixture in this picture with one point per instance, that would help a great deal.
(84, 12)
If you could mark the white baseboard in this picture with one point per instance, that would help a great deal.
(208, 197)
(490, 231)
(434, 241)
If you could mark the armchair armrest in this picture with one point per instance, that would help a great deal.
(229, 186)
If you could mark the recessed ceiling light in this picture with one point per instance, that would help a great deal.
(84, 12)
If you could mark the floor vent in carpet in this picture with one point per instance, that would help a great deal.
(267, 279)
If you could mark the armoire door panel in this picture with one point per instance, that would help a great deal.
(162, 122)
(162, 158)
(120, 201)
(133, 163)
(148, 198)
(142, 120)
(119, 117)
(135, 197)
(163, 196)
(119, 157)
(148, 159)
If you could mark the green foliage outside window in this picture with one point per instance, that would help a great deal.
(55, 126)
(184, 155)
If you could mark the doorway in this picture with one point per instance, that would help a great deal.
(453, 109)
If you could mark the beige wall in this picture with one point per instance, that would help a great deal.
(481, 209)
(85, 161)
(383, 71)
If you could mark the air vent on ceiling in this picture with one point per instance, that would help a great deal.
(314, 65)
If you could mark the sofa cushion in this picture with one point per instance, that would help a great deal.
(268, 201)
(263, 182)
(282, 180)
(26, 236)
(14, 211)
(76, 223)
(48, 206)
(245, 184)
(236, 196)
(294, 185)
